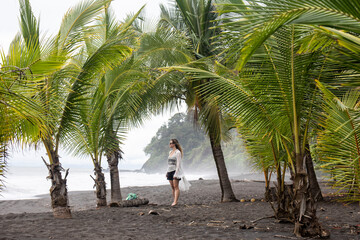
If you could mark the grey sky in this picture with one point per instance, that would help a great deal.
(51, 13)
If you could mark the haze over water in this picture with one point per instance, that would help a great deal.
(28, 182)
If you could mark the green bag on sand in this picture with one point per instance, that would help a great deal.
(131, 196)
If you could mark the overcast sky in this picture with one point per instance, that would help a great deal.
(51, 13)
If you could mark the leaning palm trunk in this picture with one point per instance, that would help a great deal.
(314, 187)
(58, 189)
(113, 161)
(227, 194)
(100, 186)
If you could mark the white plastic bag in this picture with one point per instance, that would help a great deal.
(184, 185)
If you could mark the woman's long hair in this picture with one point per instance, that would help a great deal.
(177, 145)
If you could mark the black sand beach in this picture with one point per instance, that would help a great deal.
(199, 215)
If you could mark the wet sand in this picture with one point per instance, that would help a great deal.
(199, 215)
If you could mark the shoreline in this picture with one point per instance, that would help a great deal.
(20, 188)
(86, 199)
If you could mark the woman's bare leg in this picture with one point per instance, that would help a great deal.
(172, 187)
(176, 192)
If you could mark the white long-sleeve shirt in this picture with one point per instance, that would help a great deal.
(175, 164)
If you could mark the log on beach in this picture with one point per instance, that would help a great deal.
(134, 202)
(130, 203)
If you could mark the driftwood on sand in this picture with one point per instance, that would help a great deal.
(130, 203)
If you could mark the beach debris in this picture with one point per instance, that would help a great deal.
(355, 229)
(216, 221)
(237, 221)
(287, 237)
(252, 200)
(141, 213)
(242, 200)
(322, 209)
(336, 226)
(131, 196)
(153, 212)
(214, 225)
(201, 179)
(254, 221)
(192, 223)
(259, 228)
(244, 226)
(166, 209)
(134, 202)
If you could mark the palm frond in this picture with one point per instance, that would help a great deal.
(338, 144)
(164, 48)
(78, 17)
(111, 53)
(269, 16)
(29, 26)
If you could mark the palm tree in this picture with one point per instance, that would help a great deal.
(110, 106)
(274, 102)
(268, 18)
(88, 139)
(191, 22)
(24, 73)
(62, 94)
(123, 86)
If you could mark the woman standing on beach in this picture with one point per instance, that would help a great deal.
(175, 173)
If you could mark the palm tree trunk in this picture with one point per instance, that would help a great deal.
(314, 187)
(306, 222)
(100, 186)
(227, 194)
(113, 161)
(267, 185)
(282, 197)
(58, 189)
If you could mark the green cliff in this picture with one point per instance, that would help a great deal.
(196, 145)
